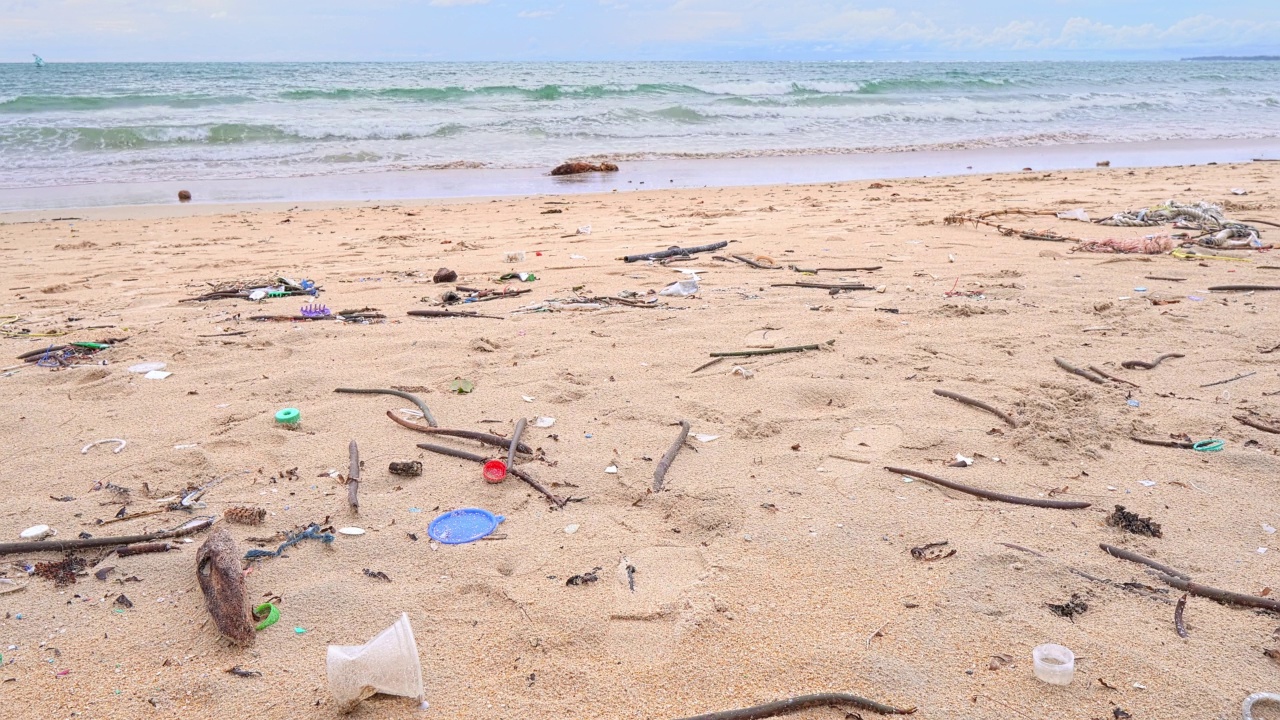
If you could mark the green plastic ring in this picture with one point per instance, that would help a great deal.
(273, 615)
(1212, 445)
(289, 416)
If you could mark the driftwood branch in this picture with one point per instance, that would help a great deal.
(515, 443)
(1136, 364)
(464, 455)
(222, 582)
(978, 404)
(1077, 371)
(674, 251)
(825, 286)
(426, 411)
(989, 495)
(450, 313)
(1241, 376)
(188, 528)
(1103, 373)
(353, 478)
(1242, 288)
(770, 351)
(802, 702)
(1178, 623)
(754, 264)
(660, 472)
(1225, 596)
(1183, 444)
(483, 437)
(1257, 424)
(1135, 557)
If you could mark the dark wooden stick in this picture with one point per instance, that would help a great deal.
(515, 442)
(815, 271)
(1225, 596)
(1135, 364)
(486, 438)
(825, 286)
(188, 528)
(426, 411)
(1135, 557)
(770, 351)
(1178, 623)
(674, 251)
(754, 264)
(1183, 444)
(978, 404)
(353, 478)
(802, 702)
(1077, 371)
(145, 548)
(1109, 376)
(1241, 376)
(1257, 424)
(660, 472)
(989, 495)
(464, 455)
(1159, 277)
(448, 313)
(706, 365)
(1242, 288)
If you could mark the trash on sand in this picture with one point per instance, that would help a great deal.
(526, 398)
(463, 526)
(512, 256)
(1077, 214)
(222, 582)
(461, 386)
(387, 664)
(1247, 707)
(312, 532)
(146, 367)
(703, 437)
(268, 614)
(742, 372)
(37, 532)
(495, 471)
(961, 461)
(85, 450)
(157, 375)
(289, 417)
(1053, 664)
(409, 468)
(544, 422)
(612, 469)
(681, 288)
(351, 531)
(584, 230)
(1239, 191)
(570, 529)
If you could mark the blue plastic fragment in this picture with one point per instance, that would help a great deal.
(1133, 403)
(463, 526)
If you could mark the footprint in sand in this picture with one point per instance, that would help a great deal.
(648, 586)
(861, 448)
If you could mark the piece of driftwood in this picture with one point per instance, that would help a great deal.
(144, 548)
(190, 527)
(222, 582)
(426, 411)
(1257, 424)
(1178, 623)
(660, 472)
(1225, 596)
(1135, 364)
(483, 437)
(1135, 557)
(1103, 373)
(515, 442)
(450, 313)
(754, 264)
(989, 495)
(803, 702)
(978, 404)
(1183, 444)
(1242, 288)
(769, 351)
(815, 271)
(1241, 376)
(674, 251)
(825, 286)
(353, 478)
(1077, 371)
(464, 455)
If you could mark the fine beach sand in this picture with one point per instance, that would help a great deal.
(777, 550)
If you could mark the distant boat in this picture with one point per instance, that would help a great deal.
(39, 60)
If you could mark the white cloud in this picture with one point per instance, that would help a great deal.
(457, 3)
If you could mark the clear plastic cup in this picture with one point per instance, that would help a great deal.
(1053, 664)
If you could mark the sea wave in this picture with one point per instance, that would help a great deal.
(25, 104)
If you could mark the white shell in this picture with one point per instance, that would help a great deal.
(36, 532)
(351, 531)
(570, 529)
(544, 422)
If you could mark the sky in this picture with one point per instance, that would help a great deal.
(467, 30)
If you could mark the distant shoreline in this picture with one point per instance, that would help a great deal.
(1232, 58)
(159, 198)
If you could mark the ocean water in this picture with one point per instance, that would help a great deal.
(110, 123)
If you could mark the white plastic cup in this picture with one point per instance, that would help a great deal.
(1053, 664)
(387, 664)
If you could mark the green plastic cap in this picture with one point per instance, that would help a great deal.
(288, 416)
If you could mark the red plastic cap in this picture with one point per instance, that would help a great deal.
(495, 471)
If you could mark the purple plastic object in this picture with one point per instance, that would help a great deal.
(315, 311)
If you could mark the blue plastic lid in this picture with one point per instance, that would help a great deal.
(463, 526)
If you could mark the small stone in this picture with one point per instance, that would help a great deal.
(444, 275)
(570, 529)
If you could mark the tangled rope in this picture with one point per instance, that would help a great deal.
(311, 533)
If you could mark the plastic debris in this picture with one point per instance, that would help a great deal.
(387, 664)
(157, 375)
(612, 469)
(350, 531)
(702, 437)
(1077, 214)
(85, 450)
(682, 288)
(146, 367)
(570, 529)
(37, 532)
(1053, 664)
(463, 526)
(544, 422)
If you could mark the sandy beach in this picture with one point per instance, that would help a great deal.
(776, 561)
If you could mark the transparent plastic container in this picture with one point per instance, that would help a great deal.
(387, 664)
(1053, 664)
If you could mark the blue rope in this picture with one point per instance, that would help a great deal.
(311, 533)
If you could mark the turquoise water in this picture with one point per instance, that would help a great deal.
(90, 123)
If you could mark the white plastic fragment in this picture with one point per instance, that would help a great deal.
(85, 450)
(612, 469)
(1247, 707)
(146, 367)
(577, 257)
(703, 437)
(1147, 483)
(584, 230)
(570, 529)
(37, 532)
(526, 398)
(351, 531)
(1053, 664)
(1268, 529)
(966, 461)
(742, 372)
(1077, 214)
(544, 422)
(682, 288)
(386, 664)
(257, 295)
(157, 375)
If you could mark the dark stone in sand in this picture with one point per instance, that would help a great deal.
(444, 275)
(577, 168)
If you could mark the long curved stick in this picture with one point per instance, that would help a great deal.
(486, 438)
(426, 411)
(989, 495)
(801, 702)
(978, 404)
